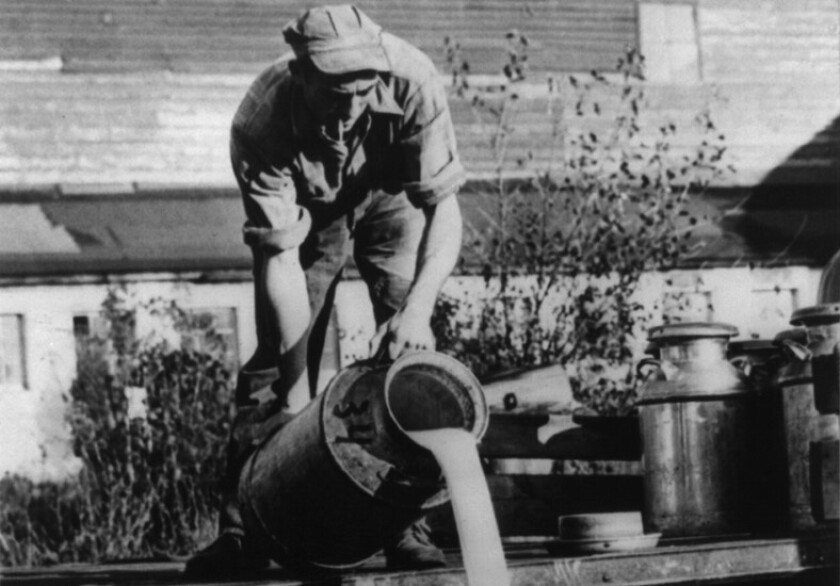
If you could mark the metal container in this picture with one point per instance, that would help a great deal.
(829, 287)
(801, 424)
(760, 361)
(331, 487)
(695, 412)
(805, 426)
(534, 388)
(822, 323)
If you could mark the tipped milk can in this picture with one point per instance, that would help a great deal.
(694, 412)
(338, 481)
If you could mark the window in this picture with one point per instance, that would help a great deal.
(92, 349)
(210, 331)
(89, 325)
(12, 369)
(207, 330)
(668, 39)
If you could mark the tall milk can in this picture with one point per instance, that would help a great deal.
(694, 412)
(802, 424)
(761, 361)
(333, 485)
(810, 384)
(822, 324)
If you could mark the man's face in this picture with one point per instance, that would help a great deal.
(338, 101)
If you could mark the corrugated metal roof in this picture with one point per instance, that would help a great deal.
(181, 231)
(25, 229)
(167, 231)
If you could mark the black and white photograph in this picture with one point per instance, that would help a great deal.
(419, 292)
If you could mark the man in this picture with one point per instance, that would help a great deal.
(346, 146)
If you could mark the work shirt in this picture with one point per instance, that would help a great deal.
(403, 142)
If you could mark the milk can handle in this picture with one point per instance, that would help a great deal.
(743, 364)
(407, 483)
(796, 350)
(646, 362)
(380, 357)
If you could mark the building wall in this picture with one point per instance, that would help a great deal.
(32, 430)
(158, 110)
(204, 36)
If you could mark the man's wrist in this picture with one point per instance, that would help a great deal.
(419, 305)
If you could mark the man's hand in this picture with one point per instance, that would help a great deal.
(407, 330)
(410, 328)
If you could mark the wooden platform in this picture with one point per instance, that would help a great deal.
(808, 560)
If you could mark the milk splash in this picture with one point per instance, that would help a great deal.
(481, 546)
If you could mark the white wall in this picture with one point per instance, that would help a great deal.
(757, 301)
(34, 437)
(33, 434)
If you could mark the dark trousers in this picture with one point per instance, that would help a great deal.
(382, 234)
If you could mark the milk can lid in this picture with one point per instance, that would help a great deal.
(799, 335)
(692, 330)
(752, 346)
(816, 314)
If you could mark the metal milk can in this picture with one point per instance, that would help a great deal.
(761, 361)
(802, 423)
(810, 384)
(822, 323)
(338, 481)
(694, 411)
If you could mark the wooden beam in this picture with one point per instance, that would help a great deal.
(558, 437)
(811, 561)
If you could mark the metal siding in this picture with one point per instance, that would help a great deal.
(155, 128)
(226, 36)
(779, 41)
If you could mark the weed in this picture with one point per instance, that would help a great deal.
(150, 425)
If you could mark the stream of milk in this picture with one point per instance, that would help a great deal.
(478, 532)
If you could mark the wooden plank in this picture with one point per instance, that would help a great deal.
(811, 561)
(557, 437)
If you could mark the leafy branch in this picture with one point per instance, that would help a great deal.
(565, 231)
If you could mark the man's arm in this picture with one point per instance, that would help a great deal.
(284, 285)
(410, 327)
(275, 228)
(432, 174)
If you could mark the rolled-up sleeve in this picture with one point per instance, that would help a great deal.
(274, 220)
(432, 168)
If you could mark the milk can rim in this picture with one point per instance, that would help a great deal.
(692, 330)
(752, 345)
(827, 312)
(453, 368)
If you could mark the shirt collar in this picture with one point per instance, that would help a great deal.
(383, 101)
